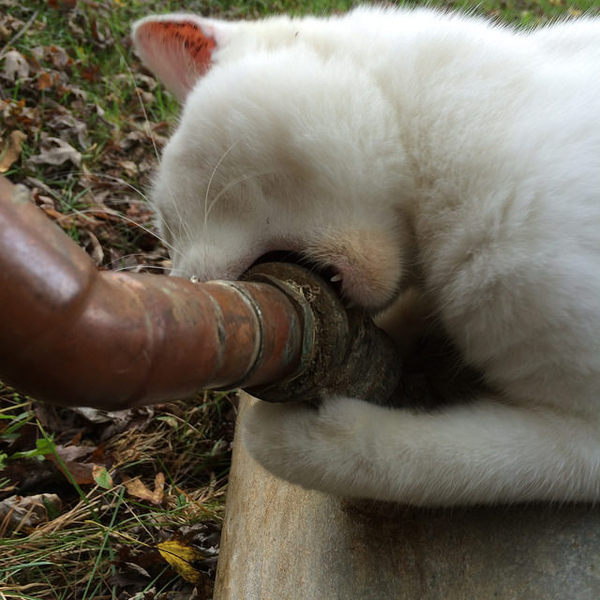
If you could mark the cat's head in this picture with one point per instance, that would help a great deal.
(285, 142)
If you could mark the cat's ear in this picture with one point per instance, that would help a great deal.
(178, 48)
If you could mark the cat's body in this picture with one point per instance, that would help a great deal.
(407, 148)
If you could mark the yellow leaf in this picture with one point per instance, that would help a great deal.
(12, 150)
(181, 557)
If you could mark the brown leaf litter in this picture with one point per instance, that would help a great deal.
(55, 151)
(23, 513)
(11, 151)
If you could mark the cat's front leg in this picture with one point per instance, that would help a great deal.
(486, 451)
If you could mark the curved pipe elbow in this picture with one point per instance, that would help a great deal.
(76, 336)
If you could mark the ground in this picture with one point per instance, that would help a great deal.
(96, 505)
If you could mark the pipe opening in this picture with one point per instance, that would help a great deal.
(328, 273)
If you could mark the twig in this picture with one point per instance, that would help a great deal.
(17, 35)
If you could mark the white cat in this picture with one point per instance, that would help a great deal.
(398, 146)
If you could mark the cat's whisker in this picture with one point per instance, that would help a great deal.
(134, 267)
(212, 175)
(231, 184)
(131, 255)
(109, 178)
(85, 212)
(183, 225)
(121, 181)
(208, 187)
(141, 102)
(182, 222)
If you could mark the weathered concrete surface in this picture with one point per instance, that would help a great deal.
(281, 542)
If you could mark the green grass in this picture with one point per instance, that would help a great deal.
(529, 12)
(79, 554)
(102, 528)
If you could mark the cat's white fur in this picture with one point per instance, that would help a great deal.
(384, 139)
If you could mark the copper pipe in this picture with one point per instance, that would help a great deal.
(73, 335)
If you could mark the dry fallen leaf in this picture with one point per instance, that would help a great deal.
(58, 57)
(23, 512)
(9, 25)
(57, 152)
(64, 121)
(95, 415)
(136, 488)
(15, 66)
(81, 473)
(12, 150)
(94, 248)
(129, 167)
(44, 81)
(74, 453)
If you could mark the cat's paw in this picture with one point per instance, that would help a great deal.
(317, 448)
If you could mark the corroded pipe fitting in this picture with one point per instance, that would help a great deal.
(344, 353)
(73, 335)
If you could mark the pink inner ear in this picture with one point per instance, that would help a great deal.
(177, 52)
